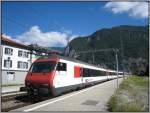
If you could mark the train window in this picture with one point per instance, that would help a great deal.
(91, 72)
(81, 71)
(85, 72)
(97, 73)
(61, 66)
(103, 73)
(42, 67)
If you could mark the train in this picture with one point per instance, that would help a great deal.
(55, 75)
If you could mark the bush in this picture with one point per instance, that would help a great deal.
(132, 95)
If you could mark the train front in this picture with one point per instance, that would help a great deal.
(39, 79)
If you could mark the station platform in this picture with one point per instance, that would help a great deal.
(94, 98)
(10, 89)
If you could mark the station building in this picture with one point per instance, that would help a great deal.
(17, 59)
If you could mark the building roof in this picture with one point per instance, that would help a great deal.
(35, 47)
(6, 41)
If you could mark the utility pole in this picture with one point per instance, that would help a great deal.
(93, 57)
(67, 47)
(122, 53)
(117, 65)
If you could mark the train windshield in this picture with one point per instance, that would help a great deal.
(42, 67)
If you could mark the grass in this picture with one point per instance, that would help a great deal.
(131, 96)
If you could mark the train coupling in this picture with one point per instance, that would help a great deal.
(23, 89)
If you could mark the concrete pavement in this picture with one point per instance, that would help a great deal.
(93, 98)
(10, 89)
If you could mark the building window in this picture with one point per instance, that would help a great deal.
(19, 64)
(25, 65)
(8, 51)
(8, 63)
(22, 65)
(20, 53)
(23, 54)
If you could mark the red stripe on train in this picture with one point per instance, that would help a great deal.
(76, 71)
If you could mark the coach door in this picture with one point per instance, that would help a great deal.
(81, 74)
(62, 69)
(60, 80)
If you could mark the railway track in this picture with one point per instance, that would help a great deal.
(18, 100)
(7, 97)
(13, 101)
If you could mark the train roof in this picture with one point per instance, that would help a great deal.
(73, 60)
(67, 58)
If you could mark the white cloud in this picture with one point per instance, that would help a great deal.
(50, 39)
(134, 9)
(9, 37)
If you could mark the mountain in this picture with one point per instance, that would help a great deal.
(132, 42)
(58, 48)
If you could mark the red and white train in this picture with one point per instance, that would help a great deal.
(56, 75)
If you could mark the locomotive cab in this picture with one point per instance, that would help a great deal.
(39, 79)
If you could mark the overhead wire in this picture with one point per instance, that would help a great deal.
(38, 13)
(23, 26)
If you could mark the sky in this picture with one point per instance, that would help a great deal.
(53, 23)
